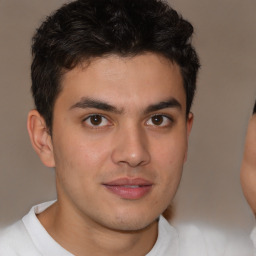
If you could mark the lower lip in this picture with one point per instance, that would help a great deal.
(131, 193)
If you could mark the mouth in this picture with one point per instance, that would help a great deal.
(132, 189)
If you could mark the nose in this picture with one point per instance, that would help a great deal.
(131, 147)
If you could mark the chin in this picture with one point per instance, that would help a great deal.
(131, 226)
(129, 222)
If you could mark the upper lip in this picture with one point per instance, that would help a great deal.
(129, 181)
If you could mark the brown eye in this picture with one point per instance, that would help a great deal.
(157, 120)
(96, 121)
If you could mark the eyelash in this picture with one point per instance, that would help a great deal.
(94, 126)
(168, 119)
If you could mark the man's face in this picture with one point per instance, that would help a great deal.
(120, 139)
(248, 169)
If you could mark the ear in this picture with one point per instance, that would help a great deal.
(190, 120)
(40, 138)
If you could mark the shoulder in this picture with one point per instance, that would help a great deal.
(10, 235)
(197, 240)
(15, 240)
(202, 239)
(253, 238)
(182, 240)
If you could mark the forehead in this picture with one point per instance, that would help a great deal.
(138, 80)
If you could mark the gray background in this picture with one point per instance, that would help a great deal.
(210, 190)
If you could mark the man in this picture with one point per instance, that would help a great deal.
(113, 82)
(248, 169)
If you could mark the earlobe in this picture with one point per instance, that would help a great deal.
(40, 138)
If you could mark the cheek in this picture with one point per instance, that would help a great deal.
(81, 148)
(79, 159)
(168, 160)
(171, 152)
(77, 164)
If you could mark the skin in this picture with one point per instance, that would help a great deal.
(136, 137)
(248, 169)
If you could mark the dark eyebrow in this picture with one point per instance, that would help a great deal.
(93, 103)
(171, 103)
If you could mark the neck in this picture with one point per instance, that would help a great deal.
(82, 236)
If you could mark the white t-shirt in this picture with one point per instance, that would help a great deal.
(253, 238)
(28, 237)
